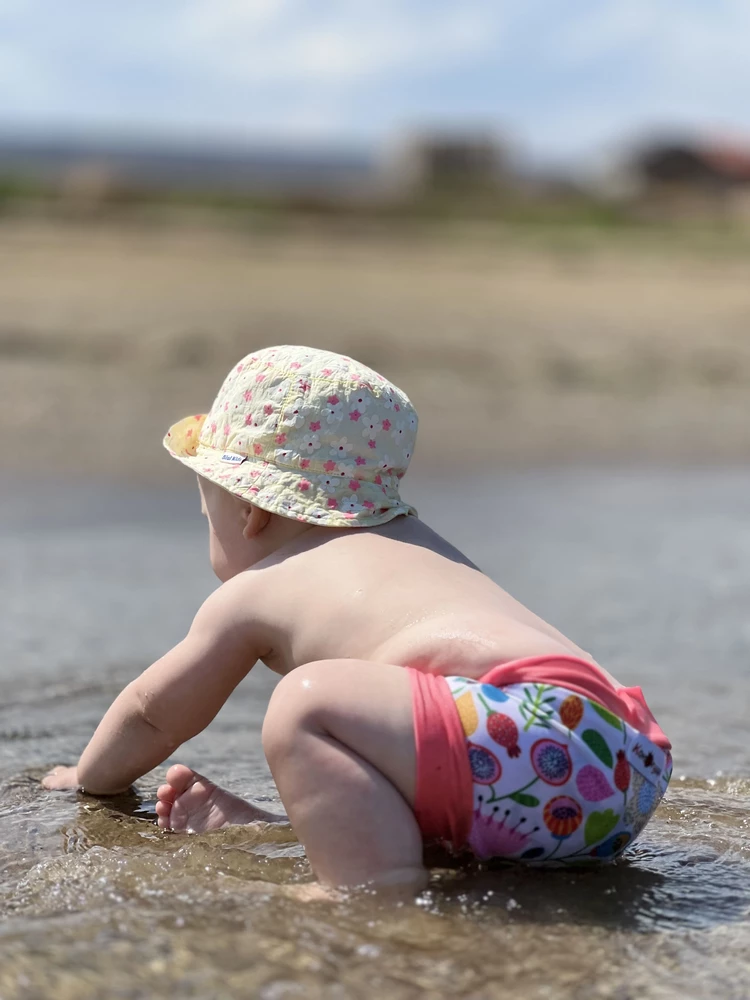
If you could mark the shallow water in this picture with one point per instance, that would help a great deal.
(650, 570)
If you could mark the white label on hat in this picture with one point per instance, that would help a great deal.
(233, 458)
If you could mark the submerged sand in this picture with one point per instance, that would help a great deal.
(511, 354)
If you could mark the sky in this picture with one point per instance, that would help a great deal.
(560, 79)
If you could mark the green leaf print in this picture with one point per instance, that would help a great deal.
(534, 709)
(606, 715)
(596, 743)
(524, 800)
(598, 825)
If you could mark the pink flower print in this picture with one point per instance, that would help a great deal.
(372, 444)
(295, 365)
(314, 425)
(334, 410)
(310, 443)
(355, 415)
(490, 839)
(327, 372)
(329, 483)
(268, 409)
(304, 385)
(354, 484)
(257, 449)
(399, 432)
(351, 505)
(226, 406)
(371, 427)
(304, 485)
(386, 424)
(341, 448)
(332, 504)
(239, 368)
(260, 378)
(227, 429)
(295, 415)
(189, 433)
(368, 504)
(379, 479)
(213, 427)
(281, 439)
(304, 463)
(360, 461)
(248, 419)
(247, 395)
(329, 466)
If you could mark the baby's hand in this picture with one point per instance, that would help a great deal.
(61, 778)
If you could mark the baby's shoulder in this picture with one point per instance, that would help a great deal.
(234, 602)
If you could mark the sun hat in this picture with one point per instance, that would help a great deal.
(305, 433)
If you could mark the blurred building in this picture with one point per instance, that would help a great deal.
(688, 179)
(450, 163)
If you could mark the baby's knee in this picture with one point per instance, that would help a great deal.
(296, 708)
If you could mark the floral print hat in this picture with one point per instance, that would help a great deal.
(307, 434)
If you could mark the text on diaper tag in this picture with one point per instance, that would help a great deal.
(233, 458)
(649, 767)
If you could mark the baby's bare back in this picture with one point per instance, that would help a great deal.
(395, 594)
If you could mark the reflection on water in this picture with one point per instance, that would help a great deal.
(649, 571)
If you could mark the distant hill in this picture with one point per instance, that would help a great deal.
(188, 167)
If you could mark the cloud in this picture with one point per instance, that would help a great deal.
(352, 42)
(563, 75)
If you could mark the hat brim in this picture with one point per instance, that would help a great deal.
(288, 492)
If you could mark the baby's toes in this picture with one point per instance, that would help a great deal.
(166, 793)
(181, 778)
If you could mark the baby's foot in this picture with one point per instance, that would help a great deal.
(193, 804)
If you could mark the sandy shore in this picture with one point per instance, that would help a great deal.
(511, 355)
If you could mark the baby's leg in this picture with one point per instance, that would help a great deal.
(339, 738)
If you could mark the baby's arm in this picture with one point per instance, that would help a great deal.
(173, 700)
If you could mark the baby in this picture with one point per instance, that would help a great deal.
(418, 700)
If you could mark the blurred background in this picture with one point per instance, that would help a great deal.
(534, 218)
(539, 213)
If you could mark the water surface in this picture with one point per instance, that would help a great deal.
(649, 570)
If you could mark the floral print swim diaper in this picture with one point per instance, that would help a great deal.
(557, 778)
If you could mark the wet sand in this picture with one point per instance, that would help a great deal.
(517, 354)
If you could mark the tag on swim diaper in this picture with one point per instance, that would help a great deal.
(233, 458)
(651, 762)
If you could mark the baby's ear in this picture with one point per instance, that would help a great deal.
(256, 520)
